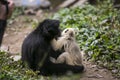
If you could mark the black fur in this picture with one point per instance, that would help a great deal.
(2, 29)
(36, 50)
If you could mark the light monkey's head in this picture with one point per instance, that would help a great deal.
(69, 32)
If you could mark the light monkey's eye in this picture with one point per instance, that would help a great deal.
(66, 31)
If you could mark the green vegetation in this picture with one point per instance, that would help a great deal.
(10, 70)
(99, 37)
(13, 70)
(99, 32)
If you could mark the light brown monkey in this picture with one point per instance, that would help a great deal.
(72, 54)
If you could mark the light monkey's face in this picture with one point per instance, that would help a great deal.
(69, 32)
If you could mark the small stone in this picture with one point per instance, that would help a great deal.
(29, 12)
(95, 76)
(117, 61)
(105, 64)
(39, 12)
(16, 57)
(4, 48)
(91, 76)
(5, 35)
(115, 71)
(99, 76)
(93, 66)
(45, 4)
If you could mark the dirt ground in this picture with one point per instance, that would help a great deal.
(22, 26)
(17, 30)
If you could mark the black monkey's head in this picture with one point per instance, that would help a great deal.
(49, 28)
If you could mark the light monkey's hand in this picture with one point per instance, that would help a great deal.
(65, 37)
(52, 59)
(58, 44)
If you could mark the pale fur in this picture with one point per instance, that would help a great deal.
(72, 54)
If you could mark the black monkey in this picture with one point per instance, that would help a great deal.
(37, 50)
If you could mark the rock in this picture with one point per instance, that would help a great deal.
(5, 35)
(16, 57)
(117, 61)
(80, 3)
(45, 4)
(74, 3)
(99, 76)
(30, 12)
(115, 71)
(4, 48)
(91, 76)
(105, 64)
(38, 13)
(93, 66)
(66, 3)
(34, 4)
(95, 76)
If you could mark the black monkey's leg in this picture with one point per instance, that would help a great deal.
(2, 29)
(60, 68)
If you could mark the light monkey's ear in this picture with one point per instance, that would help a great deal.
(76, 30)
(64, 32)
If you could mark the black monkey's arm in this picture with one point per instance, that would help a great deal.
(2, 29)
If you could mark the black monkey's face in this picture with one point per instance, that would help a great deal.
(51, 28)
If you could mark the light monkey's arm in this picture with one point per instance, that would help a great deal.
(58, 44)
